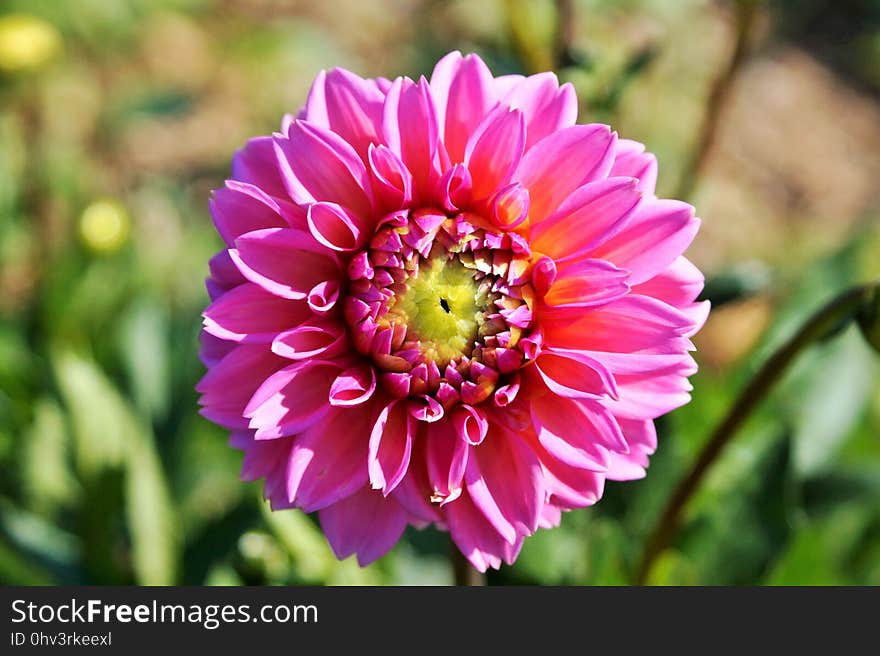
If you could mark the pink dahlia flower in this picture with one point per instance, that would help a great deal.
(444, 302)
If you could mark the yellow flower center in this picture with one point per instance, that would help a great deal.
(442, 307)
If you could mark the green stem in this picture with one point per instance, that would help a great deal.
(818, 326)
(745, 11)
(464, 572)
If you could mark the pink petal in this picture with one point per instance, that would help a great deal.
(494, 150)
(319, 337)
(504, 479)
(477, 540)
(248, 313)
(255, 164)
(590, 216)
(463, 92)
(353, 386)
(392, 181)
(284, 261)
(411, 131)
(547, 107)
(572, 374)
(390, 446)
(292, 399)
(585, 283)
(629, 324)
(561, 162)
(658, 232)
(348, 105)
(651, 395)
(631, 160)
(336, 228)
(642, 439)
(447, 456)
(678, 285)
(328, 462)
(318, 164)
(365, 523)
(570, 487)
(228, 386)
(565, 428)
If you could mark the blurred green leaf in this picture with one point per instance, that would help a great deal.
(47, 473)
(312, 557)
(144, 350)
(109, 435)
(43, 543)
(818, 552)
(833, 399)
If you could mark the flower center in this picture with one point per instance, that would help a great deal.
(442, 308)
(442, 305)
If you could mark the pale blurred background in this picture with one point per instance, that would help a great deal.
(118, 117)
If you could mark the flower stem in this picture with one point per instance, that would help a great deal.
(745, 11)
(464, 572)
(817, 327)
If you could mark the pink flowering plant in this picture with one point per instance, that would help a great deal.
(445, 302)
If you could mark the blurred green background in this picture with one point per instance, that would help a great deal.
(117, 118)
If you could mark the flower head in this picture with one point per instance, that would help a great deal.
(443, 302)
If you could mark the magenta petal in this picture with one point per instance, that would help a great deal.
(335, 227)
(503, 478)
(565, 430)
(230, 384)
(656, 235)
(585, 283)
(284, 261)
(561, 162)
(391, 446)
(353, 386)
(480, 543)
(328, 461)
(312, 339)
(238, 208)
(573, 374)
(348, 105)
(590, 216)
(248, 313)
(447, 457)
(494, 150)
(470, 423)
(292, 399)
(365, 523)
(317, 164)
(547, 107)
(463, 92)
(255, 164)
(631, 160)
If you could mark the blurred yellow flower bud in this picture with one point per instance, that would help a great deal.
(26, 42)
(104, 226)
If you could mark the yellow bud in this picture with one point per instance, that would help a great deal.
(26, 42)
(104, 226)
